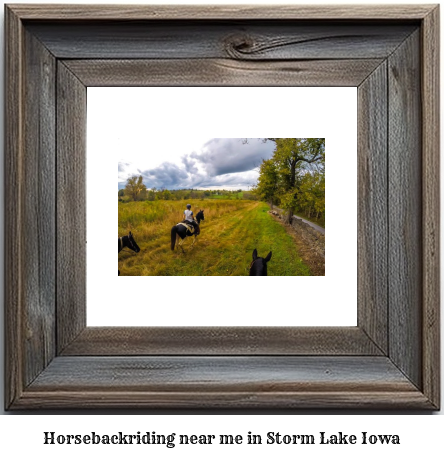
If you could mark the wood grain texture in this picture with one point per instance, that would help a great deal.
(246, 401)
(38, 222)
(29, 206)
(258, 40)
(221, 72)
(372, 207)
(220, 12)
(127, 341)
(405, 209)
(71, 206)
(234, 382)
(13, 209)
(407, 378)
(431, 207)
(209, 373)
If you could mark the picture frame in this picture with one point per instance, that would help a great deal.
(389, 360)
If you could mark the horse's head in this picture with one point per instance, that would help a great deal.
(200, 216)
(132, 244)
(258, 266)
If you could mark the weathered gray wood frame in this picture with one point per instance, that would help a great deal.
(390, 360)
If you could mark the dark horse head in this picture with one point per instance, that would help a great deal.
(258, 266)
(200, 216)
(128, 241)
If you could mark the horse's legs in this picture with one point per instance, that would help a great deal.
(180, 244)
(194, 240)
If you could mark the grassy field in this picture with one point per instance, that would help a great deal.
(231, 231)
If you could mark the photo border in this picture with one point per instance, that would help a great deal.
(390, 360)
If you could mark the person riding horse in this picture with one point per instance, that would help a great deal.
(188, 218)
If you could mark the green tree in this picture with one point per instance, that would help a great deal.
(165, 194)
(311, 197)
(293, 158)
(151, 195)
(267, 184)
(135, 188)
(281, 178)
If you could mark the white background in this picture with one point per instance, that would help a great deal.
(419, 433)
(325, 112)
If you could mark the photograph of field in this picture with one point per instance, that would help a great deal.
(235, 207)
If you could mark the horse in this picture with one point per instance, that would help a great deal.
(200, 216)
(258, 266)
(128, 241)
(183, 231)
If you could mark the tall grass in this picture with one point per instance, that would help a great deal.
(149, 219)
(231, 231)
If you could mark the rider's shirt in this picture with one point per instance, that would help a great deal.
(188, 215)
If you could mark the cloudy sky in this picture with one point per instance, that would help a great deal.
(203, 163)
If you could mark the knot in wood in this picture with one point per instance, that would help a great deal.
(239, 46)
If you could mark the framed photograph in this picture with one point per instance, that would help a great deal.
(203, 165)
(389, 359)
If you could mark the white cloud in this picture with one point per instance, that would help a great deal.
(216, 163)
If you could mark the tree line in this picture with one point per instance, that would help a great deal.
(294, 177)
(136, 190)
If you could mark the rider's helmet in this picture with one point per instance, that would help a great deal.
(188, 206)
